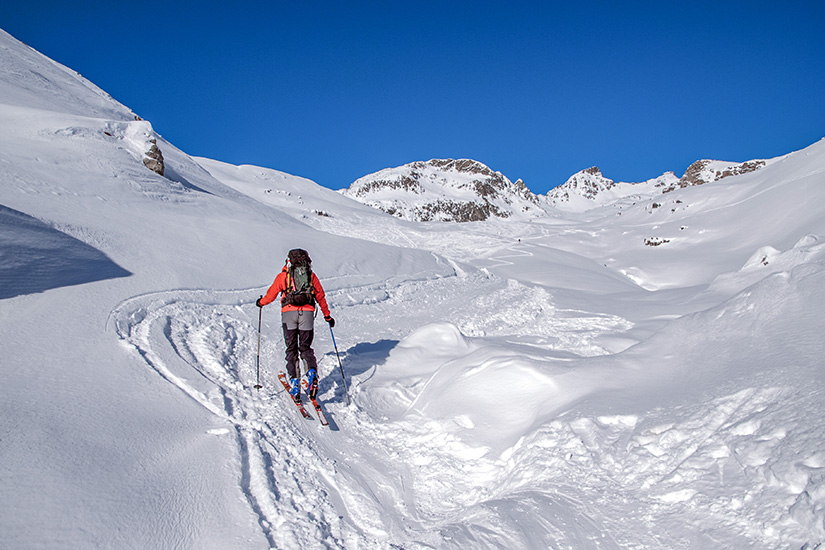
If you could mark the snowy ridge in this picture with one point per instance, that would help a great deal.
(28, 79)
(642, 374)
(707, 171)
(590, 189)
(445, 190)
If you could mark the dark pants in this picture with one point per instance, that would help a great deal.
(298, 334)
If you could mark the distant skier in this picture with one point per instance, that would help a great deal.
(301, 291)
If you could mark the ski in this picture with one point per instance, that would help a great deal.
(320, 412)
(301, 408)
(312, 392)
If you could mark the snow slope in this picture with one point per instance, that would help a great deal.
(547, 383)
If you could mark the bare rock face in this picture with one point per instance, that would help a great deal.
(153, 158)
(707, 171)
(450, 190)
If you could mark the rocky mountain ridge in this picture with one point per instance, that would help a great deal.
(455, 190)
(589, 188)
(465, 190)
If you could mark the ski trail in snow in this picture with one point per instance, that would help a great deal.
(305, 483)
(501, 255)
(205, 343)
(393, 476)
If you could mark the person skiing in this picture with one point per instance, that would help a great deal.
(300, 291)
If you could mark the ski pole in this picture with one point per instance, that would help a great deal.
(258, 359)
(344, 378)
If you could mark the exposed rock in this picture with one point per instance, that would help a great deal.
(404, 183)
(153, 158)
(694, 174)
(707, 171)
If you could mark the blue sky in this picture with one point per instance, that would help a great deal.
(333, 91)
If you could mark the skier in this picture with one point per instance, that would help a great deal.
(301, 291)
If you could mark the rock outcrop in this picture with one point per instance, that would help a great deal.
(153, 158)
(707, 171)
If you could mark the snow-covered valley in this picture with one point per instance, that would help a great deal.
(646, 373)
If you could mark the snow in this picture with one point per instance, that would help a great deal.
(546, 383)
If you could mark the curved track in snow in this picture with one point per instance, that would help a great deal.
(389, 475)
(366, 478)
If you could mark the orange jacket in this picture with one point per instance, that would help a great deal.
(279, 286)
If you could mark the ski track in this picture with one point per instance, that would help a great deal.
(413, 482)
(205, 343)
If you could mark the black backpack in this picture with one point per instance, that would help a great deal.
(299, 290)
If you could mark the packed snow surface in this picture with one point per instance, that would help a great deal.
(644, 374)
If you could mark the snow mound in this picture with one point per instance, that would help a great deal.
(767, 260)
(485, 388)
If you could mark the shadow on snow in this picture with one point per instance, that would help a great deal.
(362, 357)
(35, 257)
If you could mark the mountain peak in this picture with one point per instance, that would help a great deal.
(588, 183)
(456, 190)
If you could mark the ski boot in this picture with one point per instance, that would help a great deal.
(295, 389)
(310, 383)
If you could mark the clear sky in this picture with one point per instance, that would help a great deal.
(336, 90)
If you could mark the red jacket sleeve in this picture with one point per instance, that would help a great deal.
(278, 286)
(320, 296)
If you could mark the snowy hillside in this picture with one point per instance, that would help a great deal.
(643, 373)
(445, 190)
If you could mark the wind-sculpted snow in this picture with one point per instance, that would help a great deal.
(454, 440)
(298, 477)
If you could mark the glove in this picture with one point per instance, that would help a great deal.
(258, 302)
(329, 320)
